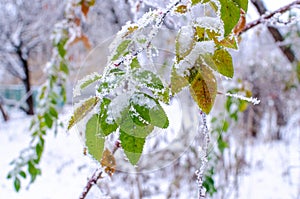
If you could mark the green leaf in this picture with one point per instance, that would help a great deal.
(121, 49)
(33, 171)
(132, 146)
(106, 127)
(113, 79)
(203, 86)
(222, 145)
(177, 82)
(220, 61)
(132, 127)
(149, 110)
(22, 174)
(53, 112)
(87, 81)
(93, 138)
(194, 2)
(17, 184)
(230, 15)
(242, 4)
(298, 71)
(39, 148)
(83, 110)
(135, 63)
(64, 67)
(61, 47)
(48, 120)
(151, 81)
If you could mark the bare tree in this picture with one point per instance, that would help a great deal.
(25, 30)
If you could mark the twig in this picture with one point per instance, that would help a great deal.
(268, 16)
(93, 180)
(157, 25)
(97, 174)
(203, 157)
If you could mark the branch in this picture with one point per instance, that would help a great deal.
(97, 175)
(286, 50)
(262, 10)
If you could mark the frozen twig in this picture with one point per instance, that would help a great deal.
(252, 100)
(203, 156)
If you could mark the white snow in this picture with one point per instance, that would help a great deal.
(273, 173)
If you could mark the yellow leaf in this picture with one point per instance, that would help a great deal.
(203, 86)
(181, 9)
(108, 161)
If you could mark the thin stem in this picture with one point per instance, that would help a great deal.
(203, 157)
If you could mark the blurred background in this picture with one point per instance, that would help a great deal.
(254, 150)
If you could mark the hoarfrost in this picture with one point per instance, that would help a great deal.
(248, 99)
(200, 48)
(118, 105)
(86, 80)
(212, 23)
(141, 100)
(185, 38)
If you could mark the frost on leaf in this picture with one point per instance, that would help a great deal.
(81, 111)
(243, 4)
(230, 14)
(85, 82)
(220, 61)
(194, 2)
(149, 110)
(203, 86)
(121, 49)
(107, 124)
(111, 81)
(94, 140)
(177, 82)
(132, 146)
(184, 42)
(151, 81)
(128, 125)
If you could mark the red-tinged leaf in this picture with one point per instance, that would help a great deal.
(241, 23)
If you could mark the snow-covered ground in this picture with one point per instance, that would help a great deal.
(273, 173)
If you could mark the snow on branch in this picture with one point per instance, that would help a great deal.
(252, 100)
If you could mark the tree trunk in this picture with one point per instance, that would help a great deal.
(5, 116)
(26, 81)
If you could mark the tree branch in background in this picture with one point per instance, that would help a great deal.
(287, 51)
